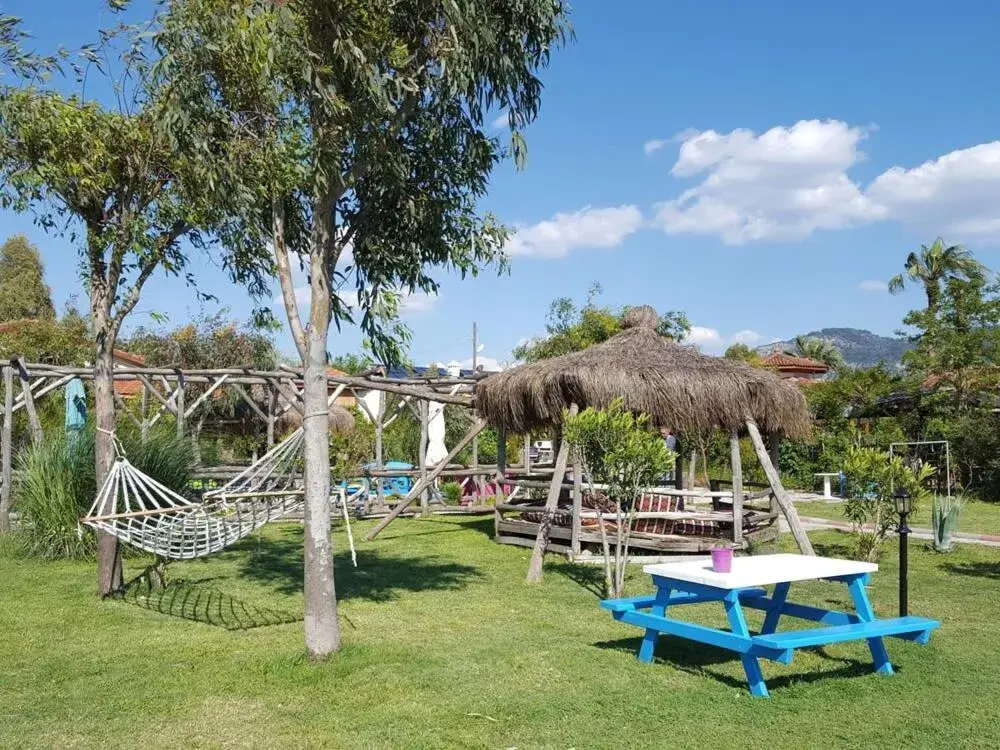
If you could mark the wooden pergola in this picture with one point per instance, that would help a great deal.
(166, 390)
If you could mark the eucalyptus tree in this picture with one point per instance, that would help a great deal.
(374, 153)
(106, 175)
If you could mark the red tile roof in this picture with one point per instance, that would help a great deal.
(782, 362)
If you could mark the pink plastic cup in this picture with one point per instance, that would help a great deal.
(722, 559)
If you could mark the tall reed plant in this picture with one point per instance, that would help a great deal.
(56, 485)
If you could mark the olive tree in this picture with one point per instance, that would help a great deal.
(374, 147)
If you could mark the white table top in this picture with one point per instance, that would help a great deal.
(761, 570)
(827, 474)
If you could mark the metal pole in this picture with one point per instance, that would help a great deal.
(904, 534)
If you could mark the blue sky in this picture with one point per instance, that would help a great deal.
(764, 167)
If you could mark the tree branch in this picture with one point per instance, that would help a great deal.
(285, 275)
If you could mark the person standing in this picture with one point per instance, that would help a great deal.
(670, 442)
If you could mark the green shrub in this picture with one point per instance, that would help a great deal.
(872, 477)
(452, 493)
(56, 485)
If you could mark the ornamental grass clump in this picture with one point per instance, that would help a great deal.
(56, 486)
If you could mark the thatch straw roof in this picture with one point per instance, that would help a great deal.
(341, 420)
(677, 386)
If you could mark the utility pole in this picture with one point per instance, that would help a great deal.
(475, 361)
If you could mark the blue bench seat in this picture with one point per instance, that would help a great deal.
(916, 628)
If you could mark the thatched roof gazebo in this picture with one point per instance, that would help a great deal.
(677, 386)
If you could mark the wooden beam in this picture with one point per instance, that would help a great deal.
(205, 396)
(737, 465)
(292, 397)
(415, 491)
(249, 401)
(780, 495)
(551, 502)
(165, 402)
(45, 388)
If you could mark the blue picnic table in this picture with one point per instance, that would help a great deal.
(693, 581)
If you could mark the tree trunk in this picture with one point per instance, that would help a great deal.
(322, 628)
(693, 468)
(109, 558)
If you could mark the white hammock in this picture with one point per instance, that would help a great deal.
(143, 513)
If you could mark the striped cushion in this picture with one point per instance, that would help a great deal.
(650, 503)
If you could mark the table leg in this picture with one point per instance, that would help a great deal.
(826, 489)
(774, 611)
(738, 624)
(865, 613)
(652, 635)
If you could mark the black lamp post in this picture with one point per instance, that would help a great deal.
(904, 504)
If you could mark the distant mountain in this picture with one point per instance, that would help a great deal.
(860, 348)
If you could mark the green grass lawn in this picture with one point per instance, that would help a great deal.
(445, 646)
(977, 517)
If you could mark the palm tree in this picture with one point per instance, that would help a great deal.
(935, 264)
(819, 350)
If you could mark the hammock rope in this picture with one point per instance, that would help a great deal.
(144, 513)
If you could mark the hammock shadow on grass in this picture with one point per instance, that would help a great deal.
(699, 659)
(192, 600)
(277, 562)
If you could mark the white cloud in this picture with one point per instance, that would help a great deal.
(790, 181)
(587, 228)
(873, 286)
(703, 337)
(954, 195)
(417, 303)
(653, 145)
(501, 122)
(711, 341)
(746, 336)
(780, 185)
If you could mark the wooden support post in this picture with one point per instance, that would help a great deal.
(144, 411)
(34, 424)
(780, 495)
(527, 454)
(679, 465)
(737, 464)
(415, 491)
(179, 404)
(574, 544)
(380, 451)
(499, 478)
(422, 455)
(6, 447)
(551, 502)
(272, 414)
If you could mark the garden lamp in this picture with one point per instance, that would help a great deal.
(904, 504)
